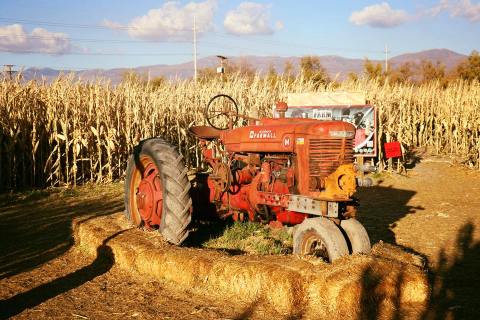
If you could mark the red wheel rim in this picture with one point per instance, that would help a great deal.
(146, 195)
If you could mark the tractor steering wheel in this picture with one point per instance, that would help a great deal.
(221, 112)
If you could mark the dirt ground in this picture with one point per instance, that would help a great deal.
(434, 211)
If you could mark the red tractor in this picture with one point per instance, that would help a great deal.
(282, 171)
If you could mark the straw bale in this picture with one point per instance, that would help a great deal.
(387, 281)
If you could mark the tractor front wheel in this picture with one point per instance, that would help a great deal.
(157, 190)
(319, 237)
(356, 235)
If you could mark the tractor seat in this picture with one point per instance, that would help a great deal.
(205, 132)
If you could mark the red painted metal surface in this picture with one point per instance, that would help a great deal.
(272, 135)
(279, 157)
(204, 132)
(150, 196)
(392, 149)
(290, 217)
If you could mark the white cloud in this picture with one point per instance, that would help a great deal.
(13, 38)
(112, 25)
(436, 10)
(170, 22)
(379, 16)
(250, 18)
(458, 8)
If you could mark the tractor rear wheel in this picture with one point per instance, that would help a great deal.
(356, 235)
(319, 237)
(157, 190)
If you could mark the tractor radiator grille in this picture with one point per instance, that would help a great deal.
(327, 154)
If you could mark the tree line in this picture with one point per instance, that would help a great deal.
(424, 71)
(310, 69)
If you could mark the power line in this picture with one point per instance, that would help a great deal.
(207, 44)
(291, 44)
(263, 41)
(66, 25)
(95, 53)
(80, 39)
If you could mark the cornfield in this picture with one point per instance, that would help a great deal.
(69, 132)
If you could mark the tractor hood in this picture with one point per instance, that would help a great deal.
(283, 135)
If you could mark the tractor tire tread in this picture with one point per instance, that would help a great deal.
(356, 236)
(177, 203)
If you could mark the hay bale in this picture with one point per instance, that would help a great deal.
(386, 282)
(396, 253)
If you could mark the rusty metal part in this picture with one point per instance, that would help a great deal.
(148, 198)
(265, 173)
(222, 177)
(281, 107)
(327, 154)
(243, 176)
(350, 211)
(222, 109)
(332, 209)
(204, 132)
(312, 244)
(301, 140)
(254, 159)
(312, 206)
(285, 165)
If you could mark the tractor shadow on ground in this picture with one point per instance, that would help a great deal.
(454, 283)
(36, 227)
(454, 280)
(103, 262)
(381, 207)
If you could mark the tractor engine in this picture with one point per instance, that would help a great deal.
(281, 170)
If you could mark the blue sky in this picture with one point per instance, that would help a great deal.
(107, 33)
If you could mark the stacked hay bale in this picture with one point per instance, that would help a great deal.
(387, 283)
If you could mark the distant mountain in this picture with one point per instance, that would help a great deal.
(448, 57)
(38, 73)
(337, 67)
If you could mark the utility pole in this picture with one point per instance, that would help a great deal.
(194, 49)
(8, 70)
(386, 59)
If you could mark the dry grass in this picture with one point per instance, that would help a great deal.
(69, 132)
(352, 287)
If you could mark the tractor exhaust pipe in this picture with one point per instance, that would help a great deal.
(281, 107)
